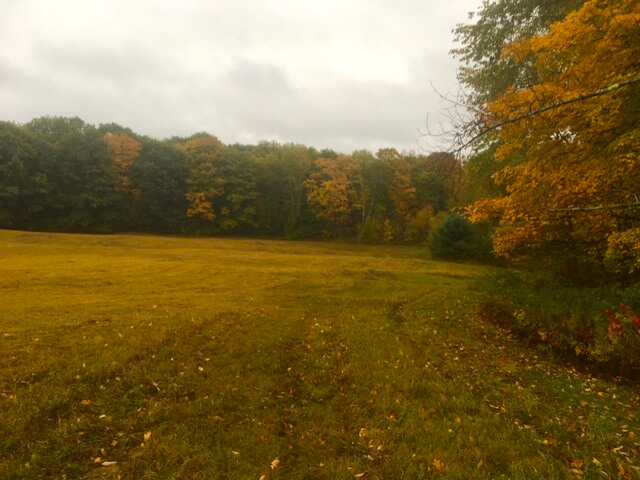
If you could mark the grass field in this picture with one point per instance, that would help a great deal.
(245, 359)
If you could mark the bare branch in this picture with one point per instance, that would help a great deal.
(599, 207)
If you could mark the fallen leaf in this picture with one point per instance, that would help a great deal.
(275, 463)
(577, 463)
(108, 464)
(626, 475)
(147, 436)
(360, 475)
(438, 464)
(85, 402)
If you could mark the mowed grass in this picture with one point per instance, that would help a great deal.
(244, 359)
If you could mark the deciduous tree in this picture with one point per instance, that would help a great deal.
(573, 195)
(201, 155)
(334, 191)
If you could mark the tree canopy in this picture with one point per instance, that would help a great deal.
(567, 149)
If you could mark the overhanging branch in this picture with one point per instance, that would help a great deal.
(538, 111)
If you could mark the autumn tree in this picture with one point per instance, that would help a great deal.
(376, 177)
(334, 191)
(125, 151)
(572, 195)
(485, 74)
(401, 192)
(201, 154)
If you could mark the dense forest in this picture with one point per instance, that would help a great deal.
(62, 174)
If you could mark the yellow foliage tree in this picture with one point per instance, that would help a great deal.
(402, 193)
(334, 190)
(571, 144)
(201, 153)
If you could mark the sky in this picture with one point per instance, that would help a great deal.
(333, 74)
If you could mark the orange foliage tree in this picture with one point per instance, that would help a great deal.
(570, 148)
(125, 151)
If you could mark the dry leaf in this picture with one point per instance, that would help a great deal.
(108, 464)
(626, 475)
(275, 463)
(85, 402)
(147, 436)
(438, 464)
(577, 463)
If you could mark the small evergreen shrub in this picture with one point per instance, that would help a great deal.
(458, 239)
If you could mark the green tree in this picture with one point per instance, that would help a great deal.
(161, 177)
(458, 239)
(82, 176)
(376, 178)
(238, 209)
(401, 192)
(24, 180)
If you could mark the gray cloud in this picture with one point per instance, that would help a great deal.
(344, 75)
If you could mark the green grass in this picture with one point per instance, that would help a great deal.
(339, 361)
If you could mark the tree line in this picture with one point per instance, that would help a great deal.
(62, 174)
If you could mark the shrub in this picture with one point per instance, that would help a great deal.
(577, 321)
(371, 231)
(419, 227)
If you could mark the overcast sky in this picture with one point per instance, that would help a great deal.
(342, 74)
